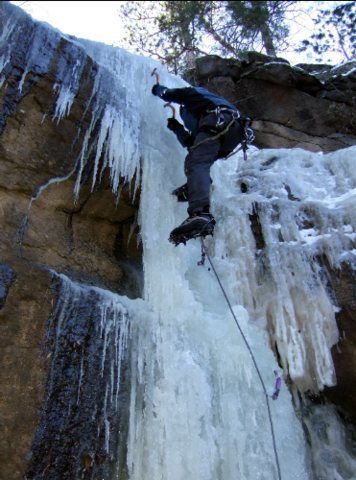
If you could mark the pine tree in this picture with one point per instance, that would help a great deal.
(264, 18)
(336, 31)
(176, 32)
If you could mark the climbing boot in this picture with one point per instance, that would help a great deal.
(196, 225)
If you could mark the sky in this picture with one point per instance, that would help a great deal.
(100, 21)
(94, 20)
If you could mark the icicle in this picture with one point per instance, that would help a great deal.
(5, 37)
(64, 102)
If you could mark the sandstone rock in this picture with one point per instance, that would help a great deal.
(316, 69)
(340, 85)
(311, 107)
(282, 136)
(23, 321)
(214, 66)
(94, 239)
(343, 284)
(281, 73)
(249, 57)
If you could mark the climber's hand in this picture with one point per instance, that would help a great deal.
(173, 124)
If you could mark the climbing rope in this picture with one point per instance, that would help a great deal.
(206, 254)
(208, 139)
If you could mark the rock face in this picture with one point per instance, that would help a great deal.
(94, 239)
(87, 343)
(311, 107)
(343, 284)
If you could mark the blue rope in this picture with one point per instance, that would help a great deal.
(205, 252)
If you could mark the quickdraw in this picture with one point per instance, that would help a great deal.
(277, 385)
(247, 137)
(203, 254)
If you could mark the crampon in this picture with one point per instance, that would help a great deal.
(184, 237)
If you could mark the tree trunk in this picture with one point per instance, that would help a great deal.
(262, 15)
(267, 40)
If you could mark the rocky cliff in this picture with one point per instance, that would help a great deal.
(306, 106)
(95, 238)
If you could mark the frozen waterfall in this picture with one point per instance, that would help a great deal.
(197, 409)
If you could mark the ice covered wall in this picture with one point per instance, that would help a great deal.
(304, 204)
(189, 357)
(197, 409)
(331, 443)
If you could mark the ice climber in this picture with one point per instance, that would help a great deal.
(212, 129)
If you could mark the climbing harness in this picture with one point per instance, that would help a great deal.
(248, 135)
(219, 110)
(206, 254)
(226, 129)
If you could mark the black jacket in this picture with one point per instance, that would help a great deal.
(195, 102)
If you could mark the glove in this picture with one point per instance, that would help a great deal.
(173, 124)
(157, 89)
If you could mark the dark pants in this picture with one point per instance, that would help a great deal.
(202, 155)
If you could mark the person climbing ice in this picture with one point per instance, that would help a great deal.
(212, 129)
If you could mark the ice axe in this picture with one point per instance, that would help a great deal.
(156, 74)
(172, 108)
